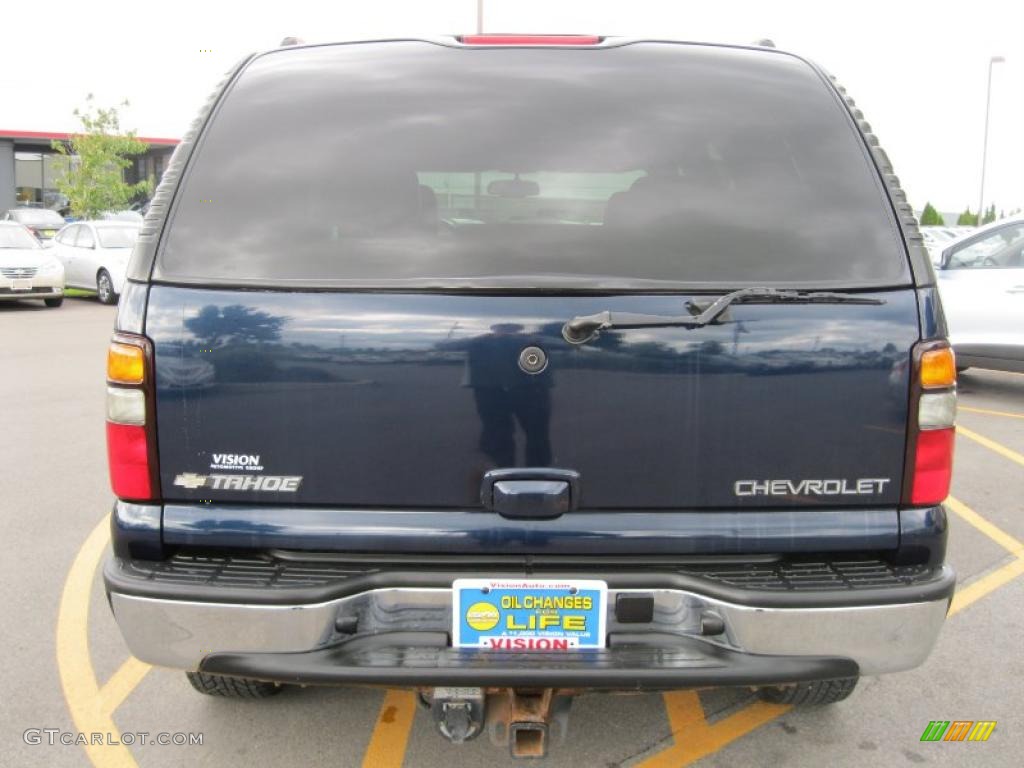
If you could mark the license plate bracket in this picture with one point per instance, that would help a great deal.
(529, 614)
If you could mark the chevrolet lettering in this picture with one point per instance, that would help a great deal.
(863, 486)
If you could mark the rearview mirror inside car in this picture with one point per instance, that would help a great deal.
(513, 188)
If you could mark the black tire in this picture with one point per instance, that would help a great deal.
(816, 693)
(105, 288)
(232, 687)
(54, 303)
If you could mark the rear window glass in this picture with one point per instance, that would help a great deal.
(415, 164)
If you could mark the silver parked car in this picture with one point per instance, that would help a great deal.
(41, 222)
(981, 281)
(27, 270)
(95, 255)
(936, 238)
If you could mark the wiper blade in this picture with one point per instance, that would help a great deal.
(584, 328)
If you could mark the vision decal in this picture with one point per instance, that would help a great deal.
(236, 462)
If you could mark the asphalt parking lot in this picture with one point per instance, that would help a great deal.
(68, 669)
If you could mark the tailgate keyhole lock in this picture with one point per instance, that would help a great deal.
(533, 360)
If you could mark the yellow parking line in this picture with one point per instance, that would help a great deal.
(981, 587)
(121, 683)
(992, 445)
(694, 738)
(686, 721)
(74, 665)
(998, 535)
(391, 733)
(987, 412)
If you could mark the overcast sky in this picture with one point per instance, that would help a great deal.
(918, 69)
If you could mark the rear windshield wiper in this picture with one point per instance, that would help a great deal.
(582, 329)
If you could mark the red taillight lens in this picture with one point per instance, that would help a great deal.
(530, 39)
(128, 455)
(131, 439)
(929, 464)
(933, 466)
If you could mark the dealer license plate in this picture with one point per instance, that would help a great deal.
(528, 615)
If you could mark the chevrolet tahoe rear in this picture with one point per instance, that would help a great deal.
(505, 368)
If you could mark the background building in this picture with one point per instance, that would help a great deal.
(28, 166)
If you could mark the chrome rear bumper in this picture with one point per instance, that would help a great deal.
(187, 634)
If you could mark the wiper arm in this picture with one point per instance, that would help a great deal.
(584, 328)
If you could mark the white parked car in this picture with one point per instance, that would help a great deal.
(981, 282)
(133, 216)
(27, 270)
(95, 255)
(41, 222)
(936, 238)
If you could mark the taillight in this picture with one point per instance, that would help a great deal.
(131, 439)
(933, 412)
(126, 363)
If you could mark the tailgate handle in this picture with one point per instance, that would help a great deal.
(539, 494)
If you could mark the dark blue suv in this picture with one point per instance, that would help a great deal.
(521, 366)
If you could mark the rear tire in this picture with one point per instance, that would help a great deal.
(816, 693)
(232, 687)
(54, 303)
(105, 288)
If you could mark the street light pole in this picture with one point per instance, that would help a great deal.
(480, 19)
(984, 141)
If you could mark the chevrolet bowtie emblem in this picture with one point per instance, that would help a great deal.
(190, 480)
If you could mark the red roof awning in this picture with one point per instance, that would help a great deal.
(54, 136)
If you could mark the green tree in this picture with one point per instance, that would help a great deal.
(93, 174)
(930, 217)
(990, 214)
(967, 219)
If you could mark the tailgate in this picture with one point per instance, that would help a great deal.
(349, 399)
